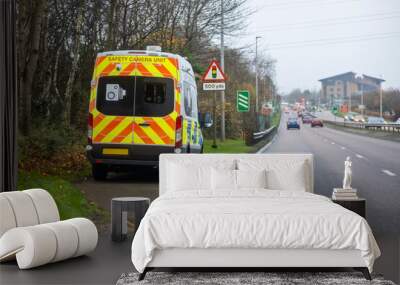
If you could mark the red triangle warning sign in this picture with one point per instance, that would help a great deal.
(214, 73)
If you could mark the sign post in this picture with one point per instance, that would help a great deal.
(242, 100)
(214, 80)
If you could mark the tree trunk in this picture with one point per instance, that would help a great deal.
(31, 55)
(111, 25)
(74, 68)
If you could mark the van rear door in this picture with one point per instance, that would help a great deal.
(156, 101)
(112, 109)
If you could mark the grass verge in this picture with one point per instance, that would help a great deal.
(276, 119)
(228, 146)
(70, 201)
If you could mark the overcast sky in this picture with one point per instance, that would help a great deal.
(313, 39)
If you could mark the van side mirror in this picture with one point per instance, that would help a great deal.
(206, 120)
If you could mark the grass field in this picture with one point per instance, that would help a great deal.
(70, 201)
(228, 146)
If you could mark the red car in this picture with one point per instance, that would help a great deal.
(316, 122)
(307, 120)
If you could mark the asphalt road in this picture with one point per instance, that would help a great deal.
(376, 168)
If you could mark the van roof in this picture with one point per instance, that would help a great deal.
(183, 63)
(139, 52)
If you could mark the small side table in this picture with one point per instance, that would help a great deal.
(119, 214)
(358, 206)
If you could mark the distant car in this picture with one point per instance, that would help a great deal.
(397, 121)
(307, 119)
(315, 122)
(350, 116)
(292, 123)
(359, 119)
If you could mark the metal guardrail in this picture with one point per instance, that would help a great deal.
(394, 128)
(260, 135)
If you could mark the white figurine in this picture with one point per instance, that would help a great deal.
(347, 174)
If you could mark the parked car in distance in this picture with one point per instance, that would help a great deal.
(350, 116)
(359, 119)
(292, 123)
(376, 120)
(397, 121)
(316, 122)
(307, 119)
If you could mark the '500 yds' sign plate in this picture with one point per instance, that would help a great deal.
(214, 86)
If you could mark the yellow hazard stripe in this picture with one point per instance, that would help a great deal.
(113, 134)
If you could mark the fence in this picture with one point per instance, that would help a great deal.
(264, 134)
(394, 128)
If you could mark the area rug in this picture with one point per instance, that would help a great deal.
(244, 278)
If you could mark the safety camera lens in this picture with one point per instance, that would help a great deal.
(111, 95)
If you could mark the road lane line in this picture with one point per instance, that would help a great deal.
(343, 148)
(388, 172)
(332, 143)
(359, 156)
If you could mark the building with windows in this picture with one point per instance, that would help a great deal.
(348, 87)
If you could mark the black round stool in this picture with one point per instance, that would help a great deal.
(119, 214)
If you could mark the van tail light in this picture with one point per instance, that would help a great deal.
(178, 132)
(90, 128)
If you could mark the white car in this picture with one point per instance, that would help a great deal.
(397, 122)
(376, 120)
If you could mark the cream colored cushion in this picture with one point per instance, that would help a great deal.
(31, 232)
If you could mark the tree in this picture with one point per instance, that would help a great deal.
(30, 17)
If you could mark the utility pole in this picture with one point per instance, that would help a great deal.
(349, 99)
(256, 61)
(223, 70)
(362, 99)
(380, 99)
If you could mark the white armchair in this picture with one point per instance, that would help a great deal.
(31, 230)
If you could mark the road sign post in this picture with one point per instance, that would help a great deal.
(214, 80)
(214, 145)
(242, 100)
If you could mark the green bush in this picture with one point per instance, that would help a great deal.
(54, 150)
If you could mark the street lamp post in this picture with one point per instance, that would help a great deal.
(362, 99)
(223, 70)
(256, 61)
(380, 101)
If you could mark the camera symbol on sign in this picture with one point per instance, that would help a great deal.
(114, 92)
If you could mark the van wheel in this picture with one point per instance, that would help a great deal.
(99, 172)
(188, 148)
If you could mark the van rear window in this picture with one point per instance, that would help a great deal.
(115, 95)
(154, 97)
(135, 96)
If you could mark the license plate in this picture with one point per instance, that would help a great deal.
(115, 151)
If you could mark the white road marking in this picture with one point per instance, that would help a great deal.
(343, 148)
(359, 155)
(332, 143)
(388, 172)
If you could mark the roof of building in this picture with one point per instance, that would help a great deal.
(352, 75)
(373, 78)
(346, 74)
